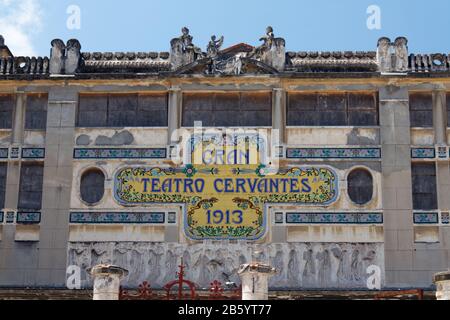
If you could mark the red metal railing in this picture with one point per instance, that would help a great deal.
(181, 285)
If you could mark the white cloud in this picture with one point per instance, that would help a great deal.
(19, 21)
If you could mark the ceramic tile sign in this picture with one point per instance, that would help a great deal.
(226, 201)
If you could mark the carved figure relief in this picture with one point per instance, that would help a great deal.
(300, 265)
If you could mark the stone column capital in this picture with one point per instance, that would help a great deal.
(442, 281)
(255, 280)
(441, 276)
(104, 269)
(257, 268)
(107, 281)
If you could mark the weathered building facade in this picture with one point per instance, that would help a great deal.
(351, 175)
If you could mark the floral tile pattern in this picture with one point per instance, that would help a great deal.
(333, 153)
(426, 218)
(10, 216)
(445, 218)
(89, 153)
(4, 153)
(279, 217)
(15, 153)
(423, 153)
(33, 153)
(334, 218)
(28, 217)
(172, 217)
(117, 217)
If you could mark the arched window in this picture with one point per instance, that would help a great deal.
(92, 186)
(360, 186)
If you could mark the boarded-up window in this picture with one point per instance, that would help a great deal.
(92, 186)
(30, 190)
(93, 111)
(123, 110)
(334, 109)
(360, 186)
(6, 111)
(152, 110)
(424, 186)
(3, 171)
(421, 110)
(362, 109)
(235, 109)
(36, 112)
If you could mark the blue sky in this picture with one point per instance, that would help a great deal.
(148, 25)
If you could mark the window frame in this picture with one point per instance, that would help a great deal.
(421, 93)
(4, 166)
(19, 203)
(436, 194)
(38, 94)
(82, 175)
(13, 108)
(374, 186)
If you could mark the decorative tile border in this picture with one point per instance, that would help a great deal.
(33, 153)
(172, 217)
(445, 217)
(279, 151)
(333, 153)
(4, 152)
(117, 217)
(15, 153)
(10, 217)
(426, 218)
(423, 153)
(279, 217)
(334, 218)
(89, 153)
(28, 217)
(442, 152)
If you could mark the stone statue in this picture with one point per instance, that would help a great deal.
(237, 65)
(183, 51)
(2, 41)
(268, 39)
(214, 47)
(272, 52)
(186, 39)
(392, 57)
(401, 54)
(384, 55)
(57, 56)
(213, 53)
(73, 58)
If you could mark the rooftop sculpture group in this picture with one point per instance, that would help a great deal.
(184, 52)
